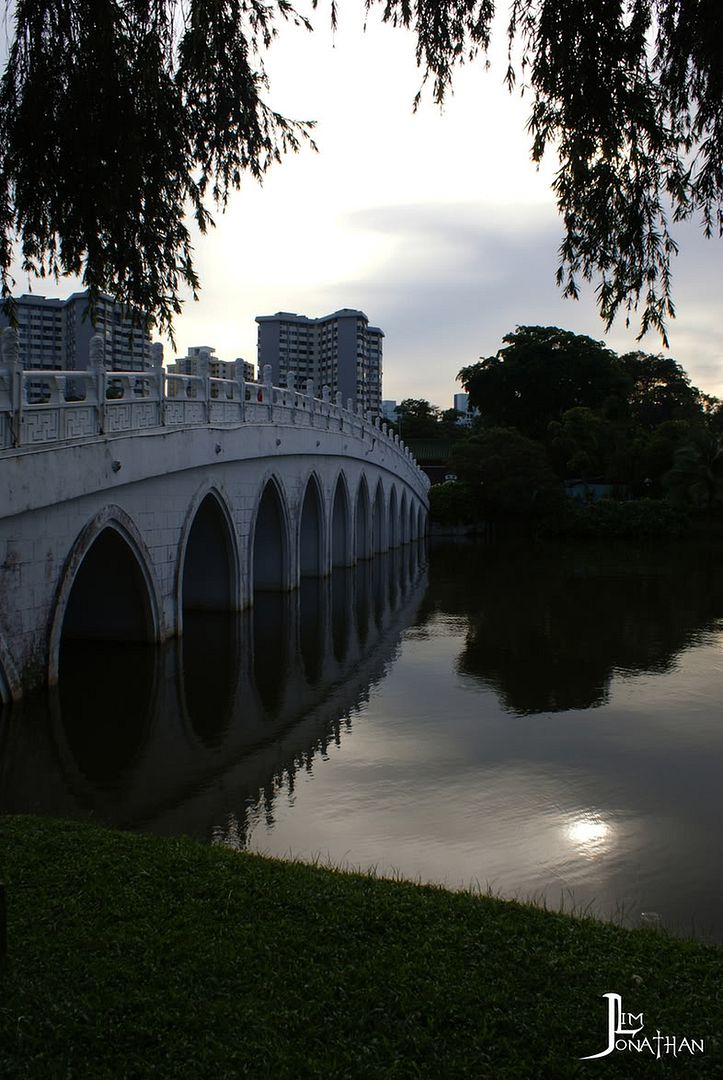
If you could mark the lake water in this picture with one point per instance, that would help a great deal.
(542, 721)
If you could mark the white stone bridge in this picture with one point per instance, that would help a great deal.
(126, 498)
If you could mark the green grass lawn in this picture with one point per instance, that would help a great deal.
(134, 956)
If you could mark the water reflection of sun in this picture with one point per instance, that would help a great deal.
(590, 834)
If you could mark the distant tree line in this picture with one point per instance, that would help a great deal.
(559, 411)
(417, 418)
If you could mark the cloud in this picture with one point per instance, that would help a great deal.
(460, 276)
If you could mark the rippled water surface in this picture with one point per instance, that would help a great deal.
(542, 721)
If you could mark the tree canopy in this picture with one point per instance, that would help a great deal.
(510, 473)
(617, 419)
(120, 116)
(543, 372)
(540, 373)
(417, 418)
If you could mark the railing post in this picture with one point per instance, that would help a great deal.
(57, 391)
(96, 363)
(158, 374)
(310, 396)
(291, 388)
(241, 384)
(11, 358)
(203, 371)
(269, 389)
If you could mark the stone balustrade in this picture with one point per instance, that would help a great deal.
(38, 408)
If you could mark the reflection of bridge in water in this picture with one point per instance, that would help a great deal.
(197, 733)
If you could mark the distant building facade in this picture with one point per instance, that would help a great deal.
(249, 369)
(341, 351)
(200, 360)
(461, 404)
(389, 411)
(54, 334)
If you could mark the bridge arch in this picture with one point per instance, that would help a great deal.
(362, 521)
(393, 528)
(379, 523)
(341, 606)
(403, 520)
(411, 531)
(420, 523)
(10, 685)
(108, 589)
(340, 524)
(273, 651)
(103, 717)
(269, 541)
(311, 560)
(211, 669)
(208, 559)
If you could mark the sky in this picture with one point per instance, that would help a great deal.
(435, 224)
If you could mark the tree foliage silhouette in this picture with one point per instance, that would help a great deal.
(118, 116)
(417, 418)
(540, 373)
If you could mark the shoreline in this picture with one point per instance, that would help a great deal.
(134, 955)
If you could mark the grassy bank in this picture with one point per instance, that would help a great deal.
(133, 956)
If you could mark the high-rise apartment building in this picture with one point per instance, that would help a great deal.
(41, 332)
(55, 334)
(341, 351)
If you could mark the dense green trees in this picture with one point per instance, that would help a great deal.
(539, 374)
(119, 116)
(417, 418)
(580, 443)
(657, 390)
(509, 474)
(600, 415)
(557, 406)
(696, 478)
(543, 371)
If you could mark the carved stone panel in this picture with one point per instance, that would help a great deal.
(225, 412)
(80, 422)
(144, 414)
(194, 412)
(41, 426)
(118, 416)
(174, 413)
